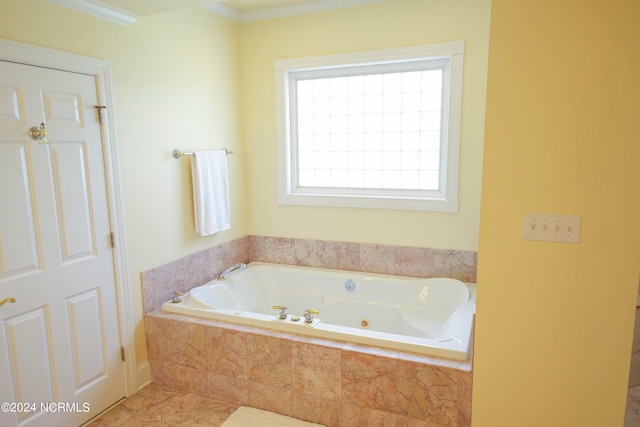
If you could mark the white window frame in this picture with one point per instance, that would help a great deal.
(443, 200)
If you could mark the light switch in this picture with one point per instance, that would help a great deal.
(551, 228)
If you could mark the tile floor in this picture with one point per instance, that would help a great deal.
(157, 406)
(632, 415)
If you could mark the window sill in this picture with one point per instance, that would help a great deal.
(379, 202)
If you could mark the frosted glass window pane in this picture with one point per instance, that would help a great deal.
(430, 141)
(372, 161)
(355, 178)
(412, 81)
(432, 80)
(356, 123)
(392, 122)
(323, 160)
(355, 104)
(339, 124)
(431, 101)
(392, 102)
(430, 160)
(411, 122)
(355, 85)
(338, 105)
(355, 160)
(305, 89)
(339, 178)
(322, 106)
(391, 141)
(391, 179)
(338, 86)
(391, 160)
(393, 82)
(323, 142)
(431, 120)
(410, 180)
(306, 143)
(323, 124)
(306, 178)
(374, 103)
(321, 88)
(429, 180)
(411, 101)
(374, 83)
(306, 125)
(305, 107)
(323, 178)
(339, 160)
(356, 142)
(370, 131)
(306, 160)
(410, 160)
(373, 141)
(372, 179)
(339, 142)
(373, 122)
(410, 141)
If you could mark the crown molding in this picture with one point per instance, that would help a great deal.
(280, 12)
(99, 10)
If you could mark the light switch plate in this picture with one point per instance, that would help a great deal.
(552, 227)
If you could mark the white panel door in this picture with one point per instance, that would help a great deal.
(60, 360)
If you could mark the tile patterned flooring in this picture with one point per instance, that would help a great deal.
(157, 406)
(632, 414)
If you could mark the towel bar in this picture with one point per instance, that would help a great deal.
(177, 153)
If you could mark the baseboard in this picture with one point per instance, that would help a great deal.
(143, 375)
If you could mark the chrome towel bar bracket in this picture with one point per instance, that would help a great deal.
(177, 153)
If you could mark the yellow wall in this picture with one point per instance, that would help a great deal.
(387, 25)
(554, 321)
(175, 83)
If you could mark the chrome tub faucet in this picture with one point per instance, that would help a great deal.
(240, 266)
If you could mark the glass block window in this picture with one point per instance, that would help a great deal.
(373, 134)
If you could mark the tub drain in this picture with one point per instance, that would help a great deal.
(364, 323)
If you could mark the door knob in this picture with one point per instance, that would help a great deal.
(40, 134)
(6, 300)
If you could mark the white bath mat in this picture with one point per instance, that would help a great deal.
(249, 417)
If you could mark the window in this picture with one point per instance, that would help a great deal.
(371, 129)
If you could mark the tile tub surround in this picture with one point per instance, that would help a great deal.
(159, 283)
(323, 381)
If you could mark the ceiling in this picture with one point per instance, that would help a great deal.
(126, 12)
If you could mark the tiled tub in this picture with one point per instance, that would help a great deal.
(330, 382)
(321, 380)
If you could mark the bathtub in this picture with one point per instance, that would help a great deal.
(431, 316)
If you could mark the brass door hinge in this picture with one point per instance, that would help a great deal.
(113, 240)
(122, 353)
(101, 109)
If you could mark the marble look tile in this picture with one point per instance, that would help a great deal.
(465, 391)
(354, 415)
(269, 360)
(377, 258)
(368, 381)
(269, 398)
(459, 265)
(228, 388)
(415, 262)
(279, 250)
(427, 393)
(226, 350)
(316, 370)
(316, 409)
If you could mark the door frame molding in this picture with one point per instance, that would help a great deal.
(50, 58)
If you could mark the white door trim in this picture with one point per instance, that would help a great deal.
(49, 58)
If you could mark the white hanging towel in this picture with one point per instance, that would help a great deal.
(210, 191)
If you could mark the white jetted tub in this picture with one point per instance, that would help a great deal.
(431, 316)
